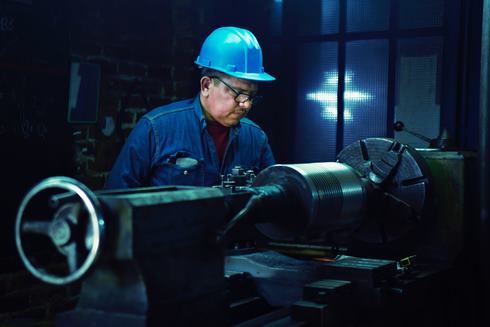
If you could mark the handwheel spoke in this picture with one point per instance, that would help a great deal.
(71, 257)
(36, 227)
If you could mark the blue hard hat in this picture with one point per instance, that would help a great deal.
(235, 52)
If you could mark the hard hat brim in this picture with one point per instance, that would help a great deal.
(261, 77)
(258, 77)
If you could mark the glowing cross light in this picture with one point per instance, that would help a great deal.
(328, 96)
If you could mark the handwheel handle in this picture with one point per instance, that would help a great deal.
(96, 222)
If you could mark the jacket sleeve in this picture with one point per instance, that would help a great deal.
(133, 165)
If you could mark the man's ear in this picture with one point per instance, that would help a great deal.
(205, 84)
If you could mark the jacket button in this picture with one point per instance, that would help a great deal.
(186, 172)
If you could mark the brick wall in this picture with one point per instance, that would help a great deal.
(145, 50)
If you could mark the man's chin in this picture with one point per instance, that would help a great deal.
(231, 122)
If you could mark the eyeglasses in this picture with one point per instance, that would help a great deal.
(239, 97)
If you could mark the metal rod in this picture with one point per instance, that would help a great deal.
(59, 199)
(305, 250)
(483, 168)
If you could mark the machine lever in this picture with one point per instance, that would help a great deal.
(271, 192)
(241, 215)
(440, 142)
(400, 126)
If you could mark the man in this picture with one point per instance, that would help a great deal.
(195, 141)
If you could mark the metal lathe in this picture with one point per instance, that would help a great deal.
(362, 241)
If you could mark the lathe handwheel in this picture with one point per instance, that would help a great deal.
(76, 228)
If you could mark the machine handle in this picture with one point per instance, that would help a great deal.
(76, 229)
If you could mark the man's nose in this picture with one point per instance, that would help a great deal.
(247, 104)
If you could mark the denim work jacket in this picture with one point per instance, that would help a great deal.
(171, 145)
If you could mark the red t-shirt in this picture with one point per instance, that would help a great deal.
(219, 133)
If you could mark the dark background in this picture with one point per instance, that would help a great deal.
(144, 51)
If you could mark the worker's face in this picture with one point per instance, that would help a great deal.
(222, 98)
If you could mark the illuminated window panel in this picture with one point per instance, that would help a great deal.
(322, 16)
(368, 15)
(276, 17)
(327, 96)
(330, 16)
(315, 119)
(421, 13)
(366, 87)
(417, 102)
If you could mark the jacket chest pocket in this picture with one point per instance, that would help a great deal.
(185, 168)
